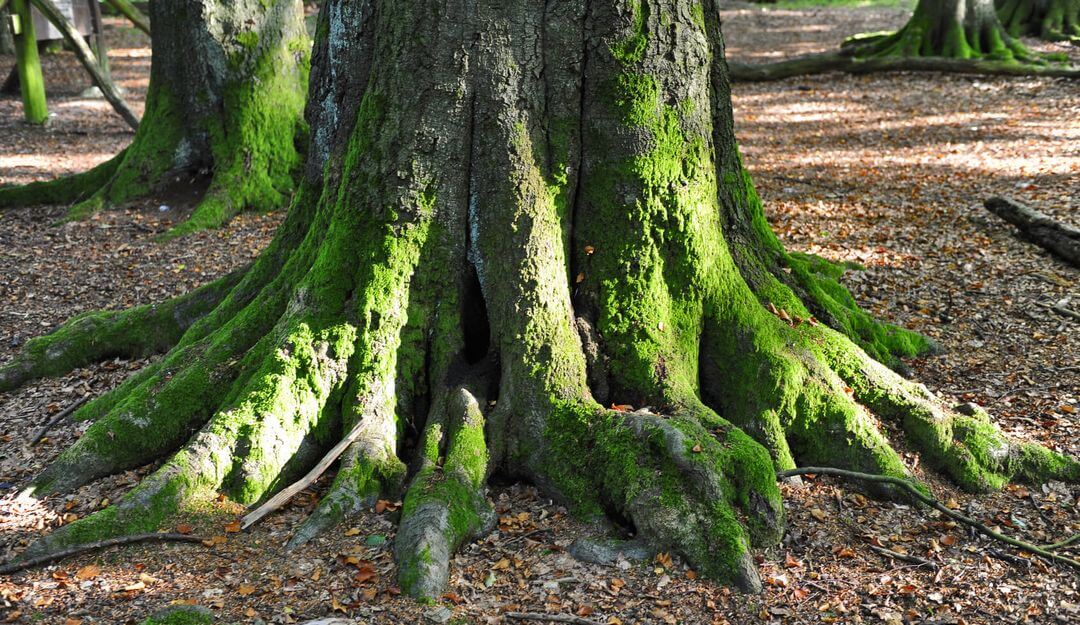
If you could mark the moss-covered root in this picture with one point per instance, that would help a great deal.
(244, 447)
(1053, 20)
(65, 190)
(446, 504)
(968, 447)
(708, 494)
(133, 333)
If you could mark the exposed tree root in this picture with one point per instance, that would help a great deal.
(841, 62)
(918, 494)
(23, 564)
(446, 503)
(96, 336)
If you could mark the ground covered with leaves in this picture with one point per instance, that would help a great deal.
(888, 171)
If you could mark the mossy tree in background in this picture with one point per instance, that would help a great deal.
(225, 103)
(1054, 20)
(514, 215)
(960, 29)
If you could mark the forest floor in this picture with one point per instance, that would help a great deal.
(889, 171)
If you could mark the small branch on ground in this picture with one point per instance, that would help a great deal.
(933, 503)
(550, 618)
(1071, 540)
(839, 62)
(1059, 239)
(1060, 308)
(14, 567)
(60, 416)
(905, 557)
(284, 496)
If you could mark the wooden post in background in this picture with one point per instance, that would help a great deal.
(101, 50)
(31, 81)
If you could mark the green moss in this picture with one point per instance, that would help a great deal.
(96, 336)
(255, 144)
(181, 615)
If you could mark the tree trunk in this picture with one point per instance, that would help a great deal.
(963, 29)
(7, 40)
(226, 96)
(514, 215)
(1054, 20)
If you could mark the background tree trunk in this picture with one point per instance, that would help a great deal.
(225, 103)
(1053, 20)
(964, 29)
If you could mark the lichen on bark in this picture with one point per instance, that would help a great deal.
(510, 221)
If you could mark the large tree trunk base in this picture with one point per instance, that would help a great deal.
(1052, 20)
(472, 282)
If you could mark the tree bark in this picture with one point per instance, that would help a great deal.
(515, 214)
(226, 97)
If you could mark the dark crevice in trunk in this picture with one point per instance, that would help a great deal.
(474, 319)
(577, 257)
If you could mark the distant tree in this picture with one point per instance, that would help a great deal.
(962, 29)
(1053, 20)
(226, 98)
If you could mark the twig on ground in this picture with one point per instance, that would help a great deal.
(57, 418)
(524, 536)
(551, 618)
(937, 505)
(14, 567)
(284, 496)
(889, 553)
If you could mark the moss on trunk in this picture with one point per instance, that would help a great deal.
(510, 220)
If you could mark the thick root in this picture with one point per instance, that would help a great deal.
(968, 447)
(368, 469)
(243, 449)
(446, 504)
(95, 336)
(66, 190)
(709, 495)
